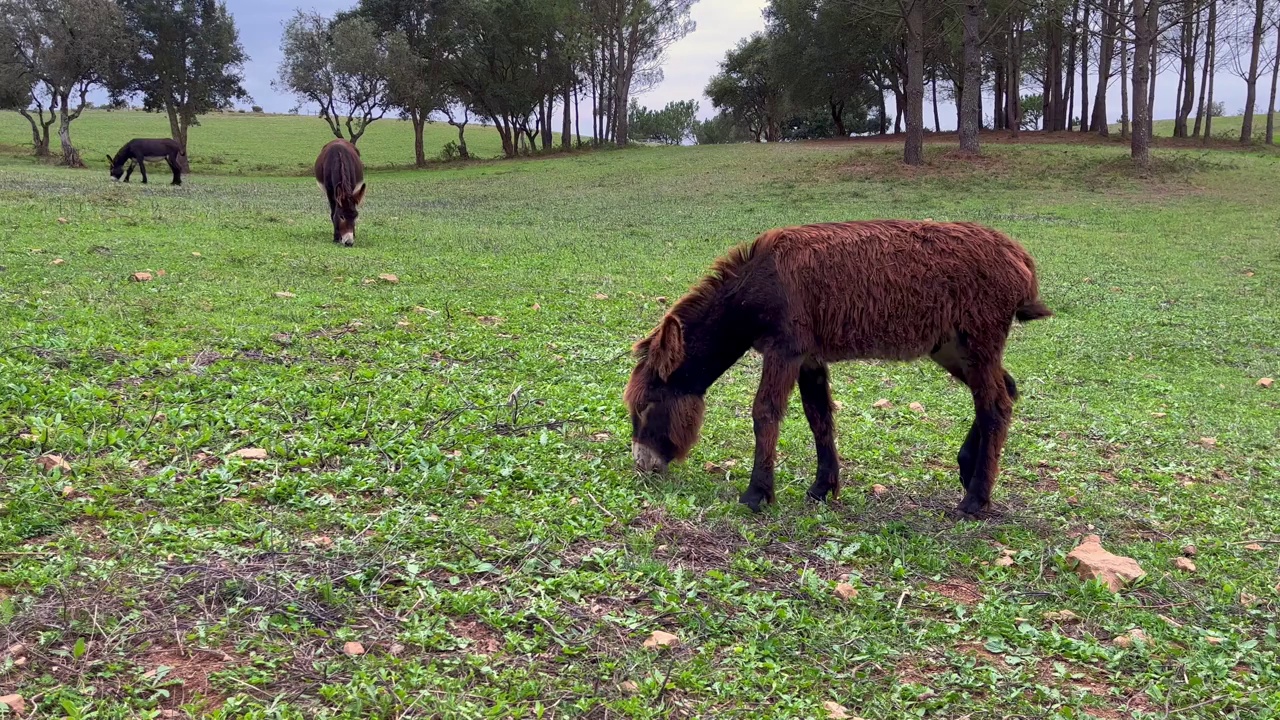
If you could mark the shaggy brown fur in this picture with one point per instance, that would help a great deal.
(340, 173)
(812, 295)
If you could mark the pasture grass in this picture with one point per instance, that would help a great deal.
(448, 478)
(245, 143)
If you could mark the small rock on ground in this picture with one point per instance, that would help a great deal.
(845, 591)
(1189, 550)
(1092, 562)
(1061, 616)
(835, 710)
(660, 639)
(17, 705)
(1130, 638)
(352, 649)
(250, 453)
(1184, 564)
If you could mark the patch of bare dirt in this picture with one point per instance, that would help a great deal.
(482, 639)
(961, 591)
(187, 674)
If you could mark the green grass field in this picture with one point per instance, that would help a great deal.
(1224, 128)
(448, 479)
(244, 144)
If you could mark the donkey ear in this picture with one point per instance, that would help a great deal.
(359, 195)
(666, 347)
(110, 161)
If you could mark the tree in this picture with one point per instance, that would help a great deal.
(669, 126)
(414, 87)
(749, 88)
(344, 67)
(417, 52)
(1275, 75)
(189, 61)
(1032, 111)
(1250, 72)
(718, 130)
(66, 48)
(18, 93)
(510, 62)
(626, 44)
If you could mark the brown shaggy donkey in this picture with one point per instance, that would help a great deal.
(812, 295)
(340, 173)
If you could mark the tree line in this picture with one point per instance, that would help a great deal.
(180, 57)
(523, 66)
(826, 67)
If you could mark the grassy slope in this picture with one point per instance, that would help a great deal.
(449, 480)
(1225, 128)
(249, 144)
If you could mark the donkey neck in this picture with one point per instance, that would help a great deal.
(717, 331)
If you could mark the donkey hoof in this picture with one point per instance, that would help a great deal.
(753, 499)
(971, 507)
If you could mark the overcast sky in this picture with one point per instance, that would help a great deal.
(690, 62)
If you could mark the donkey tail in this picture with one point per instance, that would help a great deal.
(1032, 310)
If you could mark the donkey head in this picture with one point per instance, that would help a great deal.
(116, 170)
(346, 209)
(665, 417)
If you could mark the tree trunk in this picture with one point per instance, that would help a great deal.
(1251, 87)
(70, 156)
(997, 110)
(1084, 69)
(1124, 84)
(1190, 36)
(1107, 42)
(1211, 61)
(419, 119)
(577, 119)
(1204, 73)
(937, 123)
(1271, 106)
(1013, 78)
(548, 134)
(884, 115)
(1145, 17)
(39, 144)
(971, 98)
(913, 150)
(566, 123)
(1151, 85)
(1069, 77)
(837, 118)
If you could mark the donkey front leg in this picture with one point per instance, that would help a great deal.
(177, 170)
(128, 171)
(142, 167)
(815, 391)
(776, 382)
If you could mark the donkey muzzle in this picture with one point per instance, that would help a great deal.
(647, 461)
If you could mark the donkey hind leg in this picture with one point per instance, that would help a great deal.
(952, 355)
(776, 382)
(993, 410)
(815, 392)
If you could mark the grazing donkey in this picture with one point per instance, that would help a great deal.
(808, 296)
(340, 174)
(140, 150)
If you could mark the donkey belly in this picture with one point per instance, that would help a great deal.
(155, 158)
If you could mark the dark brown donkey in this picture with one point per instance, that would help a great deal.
(808, 296)
(139, 151)
(341, 175)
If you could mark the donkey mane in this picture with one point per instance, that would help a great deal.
(726, 269)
